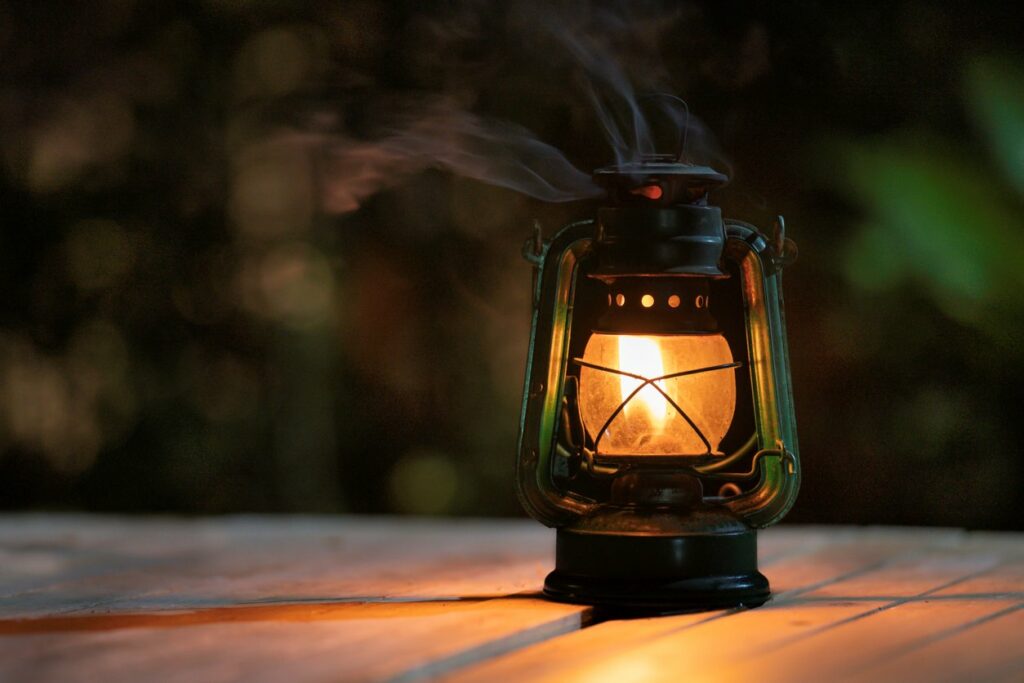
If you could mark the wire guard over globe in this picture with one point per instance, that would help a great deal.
(663, 395)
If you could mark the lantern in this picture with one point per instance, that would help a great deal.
(657, 431)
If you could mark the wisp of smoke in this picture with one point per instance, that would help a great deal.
(439, 134)
(598, 36)
(446, 137)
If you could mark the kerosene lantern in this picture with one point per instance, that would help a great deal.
(657, 429)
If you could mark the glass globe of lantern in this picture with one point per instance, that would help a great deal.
(640, 395)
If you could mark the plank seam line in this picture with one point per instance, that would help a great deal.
(590, 617)
(492, 649)
(780, 598)
(785, 642)
(924, 641)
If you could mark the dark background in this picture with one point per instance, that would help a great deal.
(183, 328)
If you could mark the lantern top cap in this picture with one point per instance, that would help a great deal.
(658, 180)
(662, 165)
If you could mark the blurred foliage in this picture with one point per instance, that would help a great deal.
(184, 329)
(941, 219)
(941, 223)
(995, 97)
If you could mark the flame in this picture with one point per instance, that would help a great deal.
(642, 356)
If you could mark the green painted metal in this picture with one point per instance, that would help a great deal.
(768, 356)
(547, 356)
(557, 263)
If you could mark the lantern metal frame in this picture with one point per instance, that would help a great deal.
(712, 546)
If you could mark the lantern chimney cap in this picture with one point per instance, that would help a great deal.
(677, 182)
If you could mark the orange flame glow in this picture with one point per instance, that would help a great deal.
(642, 356)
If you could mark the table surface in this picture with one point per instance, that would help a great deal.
(86, 598)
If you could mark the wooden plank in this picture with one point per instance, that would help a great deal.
(989, 646)
(327, 643)
(796, 561)
(854, 599)
(84, 598)
(986, 649)
(309, 599)
(87, 563)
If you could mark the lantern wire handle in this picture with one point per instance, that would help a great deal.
(681, 151)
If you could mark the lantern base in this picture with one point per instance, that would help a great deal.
(649, 575)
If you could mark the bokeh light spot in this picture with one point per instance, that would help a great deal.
(99, 254)
(424, 482)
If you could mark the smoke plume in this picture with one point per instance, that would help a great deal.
(442, 136)
(607, 55)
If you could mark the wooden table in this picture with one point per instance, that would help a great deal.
(333, 599)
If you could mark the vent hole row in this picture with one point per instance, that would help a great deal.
(647, 301)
